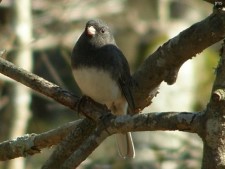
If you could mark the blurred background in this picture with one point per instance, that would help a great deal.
(39, 36)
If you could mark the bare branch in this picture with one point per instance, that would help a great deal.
(17, 148)
(164, 63)
(33, 143)
(70, 143)
(86, 148)
(38, 84)
(74, 133)
(182, 121)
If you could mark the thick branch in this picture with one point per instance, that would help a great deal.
(183, 121)
(164, 64)
(76, 131)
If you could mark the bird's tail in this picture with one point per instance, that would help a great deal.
(125, 145)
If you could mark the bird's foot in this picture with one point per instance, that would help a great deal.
(91, 109)
(81, 102)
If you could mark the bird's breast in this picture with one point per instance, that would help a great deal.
(97, 84)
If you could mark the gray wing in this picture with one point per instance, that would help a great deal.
(126, 82)
(126, 90)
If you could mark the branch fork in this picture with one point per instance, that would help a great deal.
(77, 141)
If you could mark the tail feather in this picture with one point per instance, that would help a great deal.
(125, 145)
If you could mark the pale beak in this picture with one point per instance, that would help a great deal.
(91, 30)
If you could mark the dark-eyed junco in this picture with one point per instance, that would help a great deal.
(102, 73)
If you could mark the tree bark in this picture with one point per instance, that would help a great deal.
(165, 62)
(214, 134)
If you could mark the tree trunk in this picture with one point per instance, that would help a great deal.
(214, 134)
(21, 94)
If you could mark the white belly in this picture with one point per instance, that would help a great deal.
(97, 84)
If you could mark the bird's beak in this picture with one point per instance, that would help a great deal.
(91, 30)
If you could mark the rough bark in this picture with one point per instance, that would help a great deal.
(214, 133)
(33, 143)
(165, 62)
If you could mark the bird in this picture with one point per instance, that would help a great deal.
(102, 73)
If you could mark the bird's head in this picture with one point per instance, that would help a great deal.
(98, 33)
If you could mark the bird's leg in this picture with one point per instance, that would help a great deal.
(105, 120)
(82, 100)
(94, 111)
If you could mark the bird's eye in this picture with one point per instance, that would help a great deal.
(102, 30)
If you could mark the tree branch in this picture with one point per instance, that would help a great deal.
(182, 121)
(31, 144)
(38, 84)
(86, 148)
(165, 62)
(69, 144)
(73, 134)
